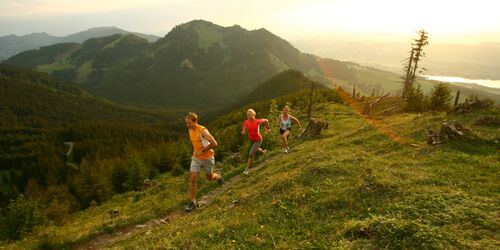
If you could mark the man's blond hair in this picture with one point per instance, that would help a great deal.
(192, 116)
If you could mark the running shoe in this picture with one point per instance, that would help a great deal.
(220, 181)
(192, 206)
(247, 171)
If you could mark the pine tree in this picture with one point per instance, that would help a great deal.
(440, 97)
(416, 101)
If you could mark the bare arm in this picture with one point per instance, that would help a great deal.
(278, 120)
(243, 130)
(266, 123)
(210, 138)
(296, 120)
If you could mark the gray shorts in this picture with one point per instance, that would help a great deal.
(254, 148)
(207, 164)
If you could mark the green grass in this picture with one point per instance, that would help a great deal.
(167, 194)
(352, 187)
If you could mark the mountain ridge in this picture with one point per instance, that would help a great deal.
(197, 54)
(14, 44)
(204, 56)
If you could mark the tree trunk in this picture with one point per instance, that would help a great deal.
(309, 108)
(369, 106)
(408, 74)
(456, 98)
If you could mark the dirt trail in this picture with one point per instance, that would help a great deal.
(107, 239)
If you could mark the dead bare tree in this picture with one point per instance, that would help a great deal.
(416, 55)
(369, 106)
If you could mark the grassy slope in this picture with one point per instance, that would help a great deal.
(353, 187)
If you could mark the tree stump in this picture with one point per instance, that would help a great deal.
(432, 137)
(448, 130)
(314, 128)
(452, 130)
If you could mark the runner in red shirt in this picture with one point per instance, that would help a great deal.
(251, 126)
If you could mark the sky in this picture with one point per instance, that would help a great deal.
(454, 21)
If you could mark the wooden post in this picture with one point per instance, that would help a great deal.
(309, 108)
(354, 91)
(456, 98)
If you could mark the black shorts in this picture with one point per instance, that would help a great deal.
(283, 131)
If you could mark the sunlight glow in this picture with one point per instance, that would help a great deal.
(288, 18)
(396, 16)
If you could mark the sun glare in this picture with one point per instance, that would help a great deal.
(442, 17)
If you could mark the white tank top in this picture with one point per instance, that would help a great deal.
(285, 124)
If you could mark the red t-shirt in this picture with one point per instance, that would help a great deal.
(253, 129)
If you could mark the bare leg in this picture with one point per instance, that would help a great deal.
(193, 185)
(284, 137)
(250, 161)
(213, 176)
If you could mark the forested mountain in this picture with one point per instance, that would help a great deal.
(13, 44)
(187, 68)
(39, 113)
(200, 65)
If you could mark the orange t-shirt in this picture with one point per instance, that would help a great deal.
(198, 142)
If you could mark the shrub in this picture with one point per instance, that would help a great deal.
(178, 170)
(58, 203)
(119, 176)
(416, 101)
(440, 97)
(20, 217)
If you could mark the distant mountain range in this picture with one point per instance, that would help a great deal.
(201, 65)
(13, 44)
(479, 61)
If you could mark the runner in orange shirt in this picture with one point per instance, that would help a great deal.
(203, 156)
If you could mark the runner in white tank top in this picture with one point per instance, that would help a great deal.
(284, 122)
